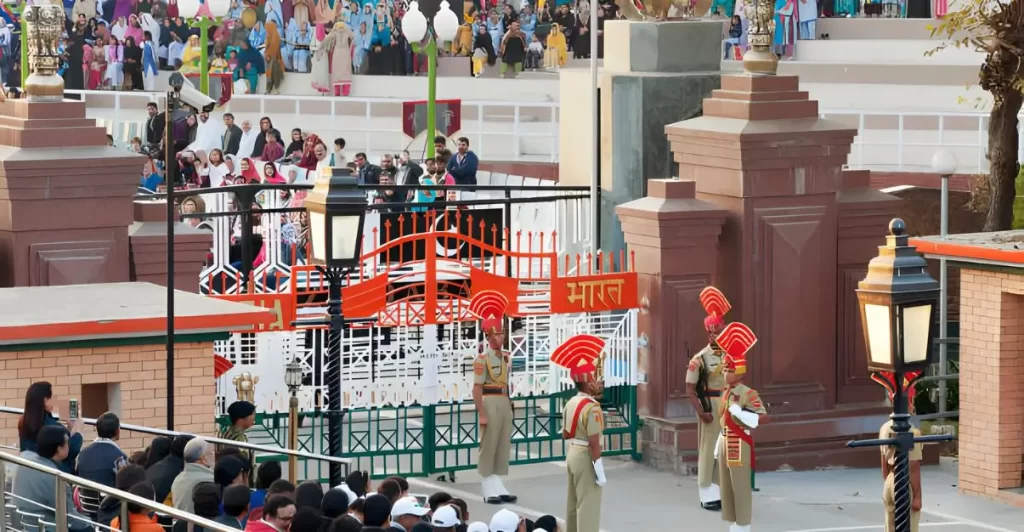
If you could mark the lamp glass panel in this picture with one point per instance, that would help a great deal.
(345, 235)
(916, 322)
(879, 327)
(293, 375)
(446, 24)
(318, 234)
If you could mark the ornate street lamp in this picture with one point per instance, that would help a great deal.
(203, 16)
(444, 27)
(897, 307)
(293, 379)
(336, 210)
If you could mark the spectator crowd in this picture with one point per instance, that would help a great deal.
(215, 482)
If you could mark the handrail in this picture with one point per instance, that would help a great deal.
(347, 462)
(60, 511)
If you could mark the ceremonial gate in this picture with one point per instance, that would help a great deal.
(406, 377)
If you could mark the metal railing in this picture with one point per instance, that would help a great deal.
(498, 131)
(63, 483)
(344, 462)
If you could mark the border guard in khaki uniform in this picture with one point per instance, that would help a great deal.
(492, 398)
(704, 385)
(888, 381)
(583, 430)
(741, 412)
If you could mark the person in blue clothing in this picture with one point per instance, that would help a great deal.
(463, 166)
(381, 53)
(101, 461)
(39, 413)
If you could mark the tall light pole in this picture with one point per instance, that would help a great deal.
(443, 28)
(25, 67)
(943, 163)
(293, 379)
(204, 16)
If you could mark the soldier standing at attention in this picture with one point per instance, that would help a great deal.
(741, 412)
(583, 430)
(704, 384)
(491, 396)
(888, 380)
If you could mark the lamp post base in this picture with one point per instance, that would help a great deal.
(760, 61)
(44, 88)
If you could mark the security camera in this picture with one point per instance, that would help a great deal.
(189, 94)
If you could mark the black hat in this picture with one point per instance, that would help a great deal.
(376, 510)
(240, 410)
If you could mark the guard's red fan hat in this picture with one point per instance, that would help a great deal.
(736, 340)
(888, 381)
(715, 305)
(579, 355)
(490, 306)
(221, 366)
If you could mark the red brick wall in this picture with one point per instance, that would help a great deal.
(991, 383)
(141, 372)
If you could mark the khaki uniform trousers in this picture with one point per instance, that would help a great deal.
(737, 496)
(889, 500)
(707, 437)
(496, 440)
(583, 501)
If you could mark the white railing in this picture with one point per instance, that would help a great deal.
(498, 131)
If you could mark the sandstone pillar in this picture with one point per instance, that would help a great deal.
(646, 82)
(65, 197)
(148, 246)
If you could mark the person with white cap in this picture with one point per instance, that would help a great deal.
(445, 519)
(583, 430)
(507, 521)
(478, 526)
(406, 512)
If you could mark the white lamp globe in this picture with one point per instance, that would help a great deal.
(944, 163)
(414, 24)
(188, 8)
(446, 24)
(219, 8)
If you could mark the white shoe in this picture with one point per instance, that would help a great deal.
(739, 528)
(710, 494)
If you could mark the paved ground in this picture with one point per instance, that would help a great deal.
(640, 499)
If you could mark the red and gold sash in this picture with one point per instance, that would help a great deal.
(583, 404)
(735, 429)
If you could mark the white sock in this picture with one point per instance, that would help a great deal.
(487, 487)
(499, 486)
(710, 494)
(739, 528)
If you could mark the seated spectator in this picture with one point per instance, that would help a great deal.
(266, 474)
(334, 504)
(231, 470)
(438, 500)
(199, 461)
(390, 489)
(546, 523)
(236, 507)
(445, 519)
(110, 506)
(376, 513)
(162, 474)
(306, 520)
(478, 526)
(309, 494)
(139, 519)
(101, 461)
(205, 501)
(278, 487)
(278, 513)
(346, 523)
(38, 413)
(405, 514)
(35, 492)
(159, 449)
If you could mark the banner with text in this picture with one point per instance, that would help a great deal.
(594, 293)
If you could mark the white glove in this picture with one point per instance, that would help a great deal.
(749, 419)
(718, 443)
(599, 471)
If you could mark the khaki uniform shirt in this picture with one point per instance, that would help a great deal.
(490, 368)
(707, 361)
(889, 451)
(591, 421)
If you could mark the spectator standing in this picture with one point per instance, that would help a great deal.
(513, 50)
(199, 460)
(232, 135)
(368, 174)
(338, 158)
(139, 519)
(35, 492)
(38, 413)
(154, 124)
(163, 473)
(464, 165)
(101, 461)
(266, 475)
(408, 172)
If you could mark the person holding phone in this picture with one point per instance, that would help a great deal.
(39, 412)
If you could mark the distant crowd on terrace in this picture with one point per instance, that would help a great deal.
(215, 482)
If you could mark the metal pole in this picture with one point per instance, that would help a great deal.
(60, 505)
(943, 297)
(904, 443)
(334, 371)
(595, 178)
(170, 177)
(3, 497)
(293, 437)
(431, 94)
(25, 66)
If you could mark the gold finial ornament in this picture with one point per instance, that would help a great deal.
(760, 59)
(245, 387)
(45, 20)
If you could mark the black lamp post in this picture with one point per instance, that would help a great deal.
(898, 301)
(336, 209)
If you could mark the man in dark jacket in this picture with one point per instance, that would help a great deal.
(376, 513)
(101, 461)
(463, 166)
(368, 174)
(163, 473)
(232, 135)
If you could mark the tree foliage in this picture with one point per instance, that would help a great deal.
(995, 27)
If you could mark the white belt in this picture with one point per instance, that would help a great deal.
(579, 443)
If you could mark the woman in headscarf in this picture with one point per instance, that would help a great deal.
(132, 65)
(258, 35)
(114, 76)
(250, 67)
(273, 13)
(261, 137)
(380, 43)
(163, 43)
(191, 57)
(340, 45)
(361, 45)
(301, 12)
(302, 38)
(496, 28)
(321, 65)
(271, 175)
(134, 28)
(75, 77)
(309, 159)
(483, 50)
(296, 144)
(275, 63)
(581, 43)
(556, 54)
